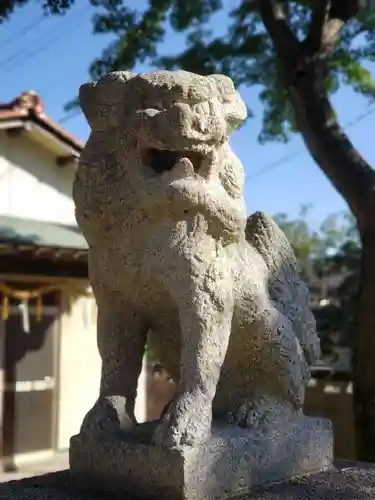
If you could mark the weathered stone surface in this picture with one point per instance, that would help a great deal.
(232, 461)
(352, 482)
(173, 258)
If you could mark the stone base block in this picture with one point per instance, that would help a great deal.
(232, 461)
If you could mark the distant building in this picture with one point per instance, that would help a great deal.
(50, 366)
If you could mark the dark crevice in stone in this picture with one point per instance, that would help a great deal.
(163, 160)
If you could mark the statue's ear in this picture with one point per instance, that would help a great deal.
(102, 102)
(86, 98)
(235, 110)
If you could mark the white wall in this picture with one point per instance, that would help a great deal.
(2, 346)
(141, 403)
(80, 370)
(32, 186)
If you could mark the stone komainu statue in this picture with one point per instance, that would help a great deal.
(174, 260)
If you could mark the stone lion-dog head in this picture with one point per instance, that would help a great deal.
(160, 139)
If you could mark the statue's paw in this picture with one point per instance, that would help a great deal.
(185, 423)
(261, 414)
(108, 415)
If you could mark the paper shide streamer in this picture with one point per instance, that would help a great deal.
(24, 297)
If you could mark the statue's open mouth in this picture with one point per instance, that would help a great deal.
(163, 160)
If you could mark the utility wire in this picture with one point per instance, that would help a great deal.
(22, 32)
(69, 117)
(18, 57)
(272, 165)
(277, 163)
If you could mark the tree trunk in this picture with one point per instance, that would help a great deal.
(354, 179)
(303, 70)
(364, 358)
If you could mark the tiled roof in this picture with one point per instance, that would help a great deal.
(29, 107)
(17, 231)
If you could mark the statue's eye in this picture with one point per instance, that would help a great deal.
(154, 106)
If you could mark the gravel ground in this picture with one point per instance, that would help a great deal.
(58, 462)
(349, 481)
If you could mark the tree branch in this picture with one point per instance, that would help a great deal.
(303, 71)
(333, 151)
(346, 9)
(330, 36)
(274, 19)
(328, 19)
(319, 18)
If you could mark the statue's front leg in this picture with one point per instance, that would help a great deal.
(121, 337)
(205, 319)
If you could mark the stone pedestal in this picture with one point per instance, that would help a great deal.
(232, 462)
(351, 481)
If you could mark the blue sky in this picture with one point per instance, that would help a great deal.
(52, 56)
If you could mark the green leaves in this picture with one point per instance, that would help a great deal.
(137, 34)
(360, 79)
(57, 6)
(245, 52)
(193, 12)
(7, 7)
(329, 261)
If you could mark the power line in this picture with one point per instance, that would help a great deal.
(19, 57)
(272, 165)
(23, 31)
(283, 159)
(29, 53)
(67, 118)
